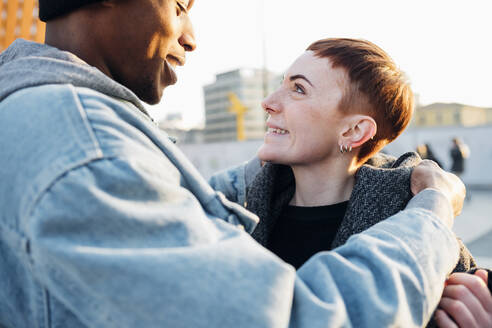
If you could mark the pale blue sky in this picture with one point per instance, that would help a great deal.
(445, 47)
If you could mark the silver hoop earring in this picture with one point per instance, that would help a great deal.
(345, 149)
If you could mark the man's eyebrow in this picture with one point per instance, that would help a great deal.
(300, 76)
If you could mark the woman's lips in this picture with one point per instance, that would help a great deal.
(277, 131)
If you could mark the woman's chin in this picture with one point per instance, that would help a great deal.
(267, 154)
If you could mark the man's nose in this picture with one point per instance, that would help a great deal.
(187, 39)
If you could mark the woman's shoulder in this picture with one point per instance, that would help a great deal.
(383, 174)
(386, 161)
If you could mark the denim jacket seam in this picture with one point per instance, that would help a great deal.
(92, 151)
(61, 176)
(95, 149)
(46, 307)
(86, 121)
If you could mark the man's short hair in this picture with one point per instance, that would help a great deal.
(49, 9)
(376, 87)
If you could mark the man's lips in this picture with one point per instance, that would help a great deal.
(172, 78)
(176, 60)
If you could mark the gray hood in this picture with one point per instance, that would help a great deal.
(28, 64)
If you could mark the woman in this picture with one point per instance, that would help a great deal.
(339, 104)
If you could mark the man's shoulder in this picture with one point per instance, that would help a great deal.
(63, 96)
(82, 113)
(50, 130)
(64, 126)
(48, 115)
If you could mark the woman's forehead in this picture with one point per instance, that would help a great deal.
(317, 69)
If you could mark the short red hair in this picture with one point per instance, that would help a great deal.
(376, 87)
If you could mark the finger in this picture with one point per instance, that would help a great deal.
(476, 285)
(482, 274)
(462, 294)
(458, 311)
(430, 163)
(443, 320)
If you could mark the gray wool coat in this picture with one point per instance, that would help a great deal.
(381, 189)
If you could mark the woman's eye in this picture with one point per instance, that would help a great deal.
(298, 88)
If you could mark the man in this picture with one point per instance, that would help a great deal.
(104, 223)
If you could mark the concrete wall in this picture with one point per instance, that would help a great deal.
(212, 157)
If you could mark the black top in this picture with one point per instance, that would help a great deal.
(301, 232)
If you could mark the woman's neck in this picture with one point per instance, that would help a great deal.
(324, 183)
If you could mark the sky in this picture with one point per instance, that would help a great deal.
(444, 47)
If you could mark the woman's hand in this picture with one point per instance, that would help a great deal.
(466, 301)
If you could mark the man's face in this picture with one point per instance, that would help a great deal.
(144, 41)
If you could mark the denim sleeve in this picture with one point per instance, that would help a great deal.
(231, 183)
(120, 244)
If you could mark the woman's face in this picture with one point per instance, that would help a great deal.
(304, 121)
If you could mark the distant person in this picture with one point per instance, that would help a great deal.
(459, 152)
(425, 152)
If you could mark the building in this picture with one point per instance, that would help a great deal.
(19, 19)
(247, 85)
(441, 114)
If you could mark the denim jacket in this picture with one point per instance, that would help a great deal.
(105, 223)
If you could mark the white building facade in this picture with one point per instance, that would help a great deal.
(250, 86)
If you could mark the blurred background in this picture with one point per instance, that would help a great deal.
(244, 46)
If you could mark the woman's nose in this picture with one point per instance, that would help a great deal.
(270, 105)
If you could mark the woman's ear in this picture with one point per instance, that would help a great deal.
(360, 128)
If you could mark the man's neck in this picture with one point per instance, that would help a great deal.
(63, 34)
(325, 183)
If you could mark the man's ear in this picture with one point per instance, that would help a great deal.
(358, 129)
